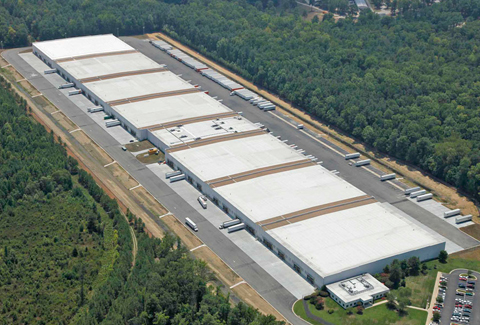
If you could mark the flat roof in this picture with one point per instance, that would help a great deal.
(274, 195)
(168, 109)
(332, 243)
(205, 129)
(80, 46)
(235, 156)
(104, 65)
(137, 85)
(362, 287)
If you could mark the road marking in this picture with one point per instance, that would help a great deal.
(55, 112)
(132, 188)
(203, 245)
(239, 283)
(79, 129)
(164, 215)
(37, 95)
(110, 163)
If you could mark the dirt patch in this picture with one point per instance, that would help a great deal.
(251, 297)
(151, 159)
(65, 122)
(188, 239)
(472, 230)
(43, 103)
(221, 270)
(99, 154)
(29, 88)
(445, 193)
(120, 174)
(139, 146)
(148, 201)
(469, 254)
(13, 74)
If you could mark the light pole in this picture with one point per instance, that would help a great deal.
(143, 29)
(118, 33)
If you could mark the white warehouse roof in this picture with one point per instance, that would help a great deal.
(205, 129)
(137, 85)
(169, 109)
(273, 195)
(104, 65)
(235, 156)
(354, 237)
(80, 46)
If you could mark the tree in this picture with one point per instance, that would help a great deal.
(391, 303)
(436, 316)
(315, 19)
(75, 252)
(413, 265)
(439, 299)
(442, 257)
(395, 276)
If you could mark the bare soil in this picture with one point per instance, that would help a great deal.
(29, 88)
(121, 175)
(65, 122)
(139, 146)
(98, 153)
(251, 297)
(148, 201)
(472, 230)
(150, 159)
(221, 270)
(469, 254)
(187, 237)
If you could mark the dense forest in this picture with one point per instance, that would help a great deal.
(408, 86)
(66, 248)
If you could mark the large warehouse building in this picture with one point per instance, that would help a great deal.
(319, 224)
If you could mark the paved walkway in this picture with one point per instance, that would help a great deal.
(433, 299)
(312, 316)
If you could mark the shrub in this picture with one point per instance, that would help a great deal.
(323, 293)
(360, 310)
(319, 303)
(330, 311)
(349, 311)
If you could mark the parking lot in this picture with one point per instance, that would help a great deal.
(461, 304)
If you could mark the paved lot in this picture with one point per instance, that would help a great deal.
(361, 178)
(244, 265)
(256, 276)
(449, 302)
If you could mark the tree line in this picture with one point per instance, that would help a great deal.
(407, 86)
(66, 247)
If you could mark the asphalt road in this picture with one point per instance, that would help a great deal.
(251, 272)
(359, 177)
(449, 302)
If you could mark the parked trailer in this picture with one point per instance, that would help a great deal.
(269, 108)
(67, 85)
(50, 71)
(74, 92)
(191, 224)
(451, 213)
(203, 201)
(387, 177)
(424, 197)
(261, 106)
(240, 226)
(417, 193)
(353, 155)
(177, 178)
(171, 174)
(462, 219)
(410, 190)
(362, 162)
(229, 223)
(95, 109)
(113, 123)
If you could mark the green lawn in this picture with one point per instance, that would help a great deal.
(422, 285)
(380, 315)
